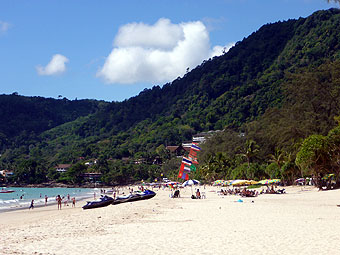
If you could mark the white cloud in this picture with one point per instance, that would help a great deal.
(156, 53)
(219, 50)
(56, 66)
(4, 26)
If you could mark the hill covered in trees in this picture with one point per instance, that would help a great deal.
(25, 118)
(277, 87)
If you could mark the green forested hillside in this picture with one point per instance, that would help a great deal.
(25, 118)
(263, 87)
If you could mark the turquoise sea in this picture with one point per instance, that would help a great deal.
(21, 197)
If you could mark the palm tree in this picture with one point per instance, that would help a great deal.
(250, 151)
(277, 158)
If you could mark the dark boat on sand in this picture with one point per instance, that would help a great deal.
(147, 194)
(101, 202)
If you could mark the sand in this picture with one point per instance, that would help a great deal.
(303, 221)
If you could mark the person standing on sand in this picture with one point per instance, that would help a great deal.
(59, 202)
(46, 197)
(73, 202)
(32, 205)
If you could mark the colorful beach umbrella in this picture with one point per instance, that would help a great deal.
(269, 181)
(220, 183)
(328, 176)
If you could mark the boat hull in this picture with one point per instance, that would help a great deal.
(134, 197)
(6, 191)
(97, 204)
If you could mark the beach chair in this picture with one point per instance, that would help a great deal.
(203, 195)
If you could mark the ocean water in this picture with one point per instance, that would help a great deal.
(22, 197)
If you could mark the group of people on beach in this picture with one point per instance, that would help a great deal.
(59, 200)
(251, 193)
(241, 192)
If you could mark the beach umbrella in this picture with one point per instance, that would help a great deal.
(220, 183)
(300, 180)
(251, 182)
(190, 183)
(328, 176)
(275, 181)
(264, 182)
(269, 181)
(238, 182)
(226, 183)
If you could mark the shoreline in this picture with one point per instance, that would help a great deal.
(22, 197)
(57, 185)
(50, 203)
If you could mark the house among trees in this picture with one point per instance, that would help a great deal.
(202, 137)
(177, 150)
(62, 168)
(6, 173)
(93, 177)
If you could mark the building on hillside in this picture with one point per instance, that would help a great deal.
(177, 150)
(62, 168)
(91, 162)
(202, 137)
(126, 159)
(92, 177)
(157, 161)
(6, 173)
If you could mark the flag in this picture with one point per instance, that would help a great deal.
(193, 160)
(182, 167)
(187, 169)
(193, 153)
(193, 168)
(186, 161)
(184, 175)
(195, 147)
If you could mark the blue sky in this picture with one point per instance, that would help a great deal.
(112, 50)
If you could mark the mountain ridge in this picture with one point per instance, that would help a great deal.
(227, 91)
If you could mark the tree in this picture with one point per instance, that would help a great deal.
(335, 1)
(250, 151)
(74, 173)
(289, 170)
(277, 158)
(313, 157)
(30, 171)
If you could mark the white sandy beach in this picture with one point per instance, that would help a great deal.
(299, 222)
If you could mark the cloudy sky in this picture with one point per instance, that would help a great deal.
(111, 50)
